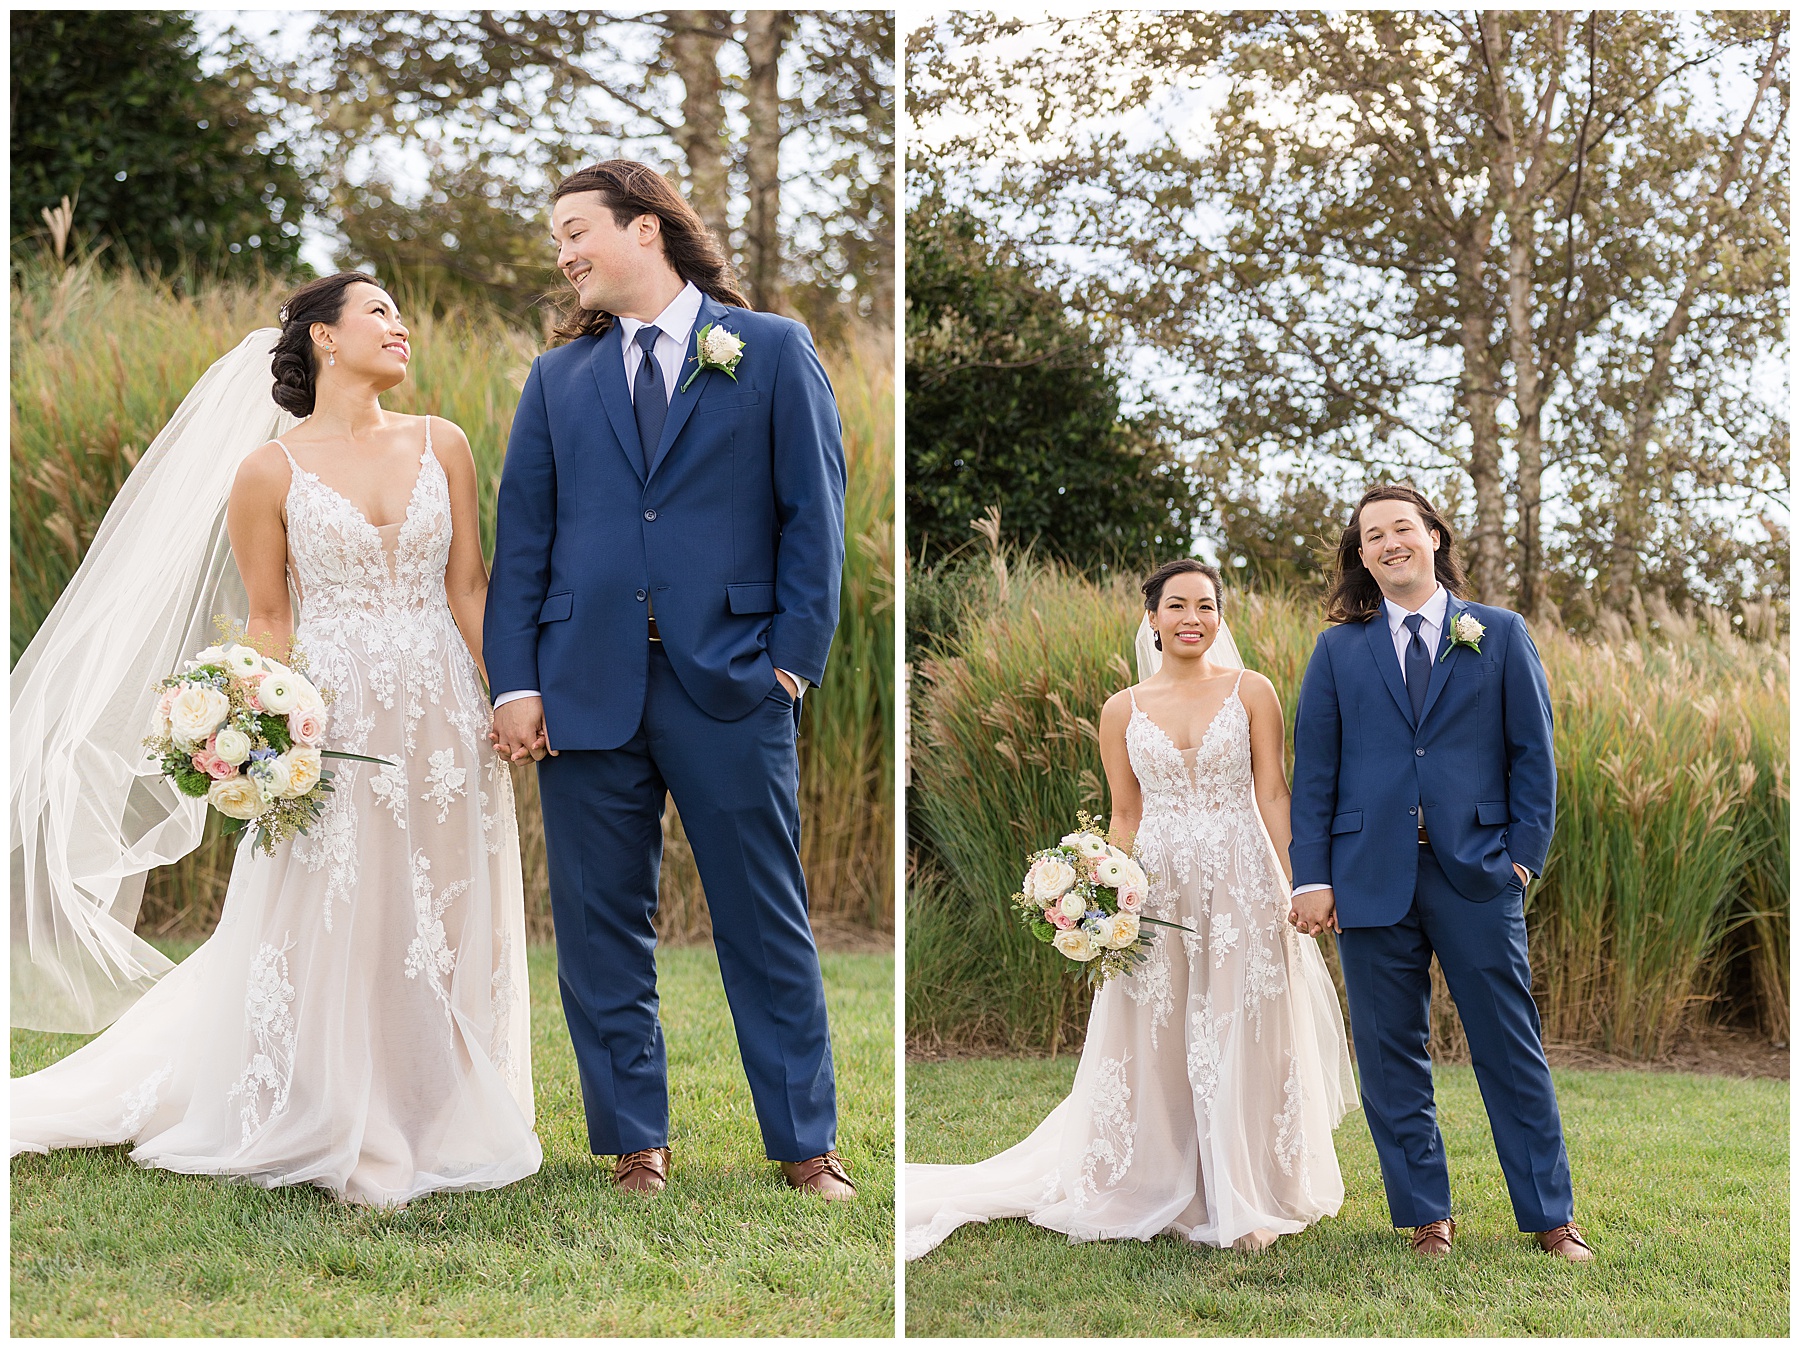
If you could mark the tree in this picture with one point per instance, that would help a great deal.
(110, 109)
(1529, 253)
(527, 97)
(1010, 403)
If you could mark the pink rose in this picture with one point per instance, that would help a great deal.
(212, 765)
(307, 726)
(1057, 919)
(1131, 901)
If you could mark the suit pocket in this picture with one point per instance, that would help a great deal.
(755, 597)
(1348, 822)
(1469, 669)
(728, 402)
(1493, 812)
(557, 607)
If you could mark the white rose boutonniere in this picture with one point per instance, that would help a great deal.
(715, 349)
(1465, 631)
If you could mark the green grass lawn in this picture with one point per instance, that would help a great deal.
(102, 1247)
(1681, 1184)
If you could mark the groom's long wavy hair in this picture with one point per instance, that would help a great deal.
(631, 189)
(1355, 596)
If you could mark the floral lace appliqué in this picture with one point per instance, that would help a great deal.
(1113, 1131)
(429, 954)
(140, 1101)
(269, 1015)
(446, 781)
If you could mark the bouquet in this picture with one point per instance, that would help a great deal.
(1086, 898)
(244, 731)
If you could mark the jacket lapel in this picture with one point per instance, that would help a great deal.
(683, 404)
(1440, 661)
(1381, 646)
(608, 366)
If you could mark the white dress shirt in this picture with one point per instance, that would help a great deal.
(674, 325)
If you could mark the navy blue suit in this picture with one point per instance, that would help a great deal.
(734, 538)
(1478, 771)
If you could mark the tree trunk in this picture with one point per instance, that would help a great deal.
(1631, 506)
(765, 32)
(694, 38)
(1479, 385)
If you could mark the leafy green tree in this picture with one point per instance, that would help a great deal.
(1011, 402)
(110, 108)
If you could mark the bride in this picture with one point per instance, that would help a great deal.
(1213, 1075)
(359, 1019)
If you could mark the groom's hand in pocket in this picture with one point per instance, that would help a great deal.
(1314, 912)
(519, 730)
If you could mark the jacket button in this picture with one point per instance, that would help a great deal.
(649, 514)
(1418, 753)
(1412, 809)
(641, 596)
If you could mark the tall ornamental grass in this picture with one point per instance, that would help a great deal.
(1671, 829)
(100, 359)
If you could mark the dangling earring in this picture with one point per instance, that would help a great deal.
(330, 356)
(1156, 636)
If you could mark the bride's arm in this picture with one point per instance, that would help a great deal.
(1267, 767)
(466, 576)
(1121, 782)
(259, 545)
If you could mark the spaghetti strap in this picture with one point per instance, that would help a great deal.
(289, 453)
(427, 434)
(1131, 693)
(1234, 686)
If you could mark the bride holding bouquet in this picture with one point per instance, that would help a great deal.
(1215, 1070)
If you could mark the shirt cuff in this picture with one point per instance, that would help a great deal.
(799, 682)
(1307, 889)
(504, 698)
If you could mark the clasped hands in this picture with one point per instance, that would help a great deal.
(1312, 912)
(519, 733)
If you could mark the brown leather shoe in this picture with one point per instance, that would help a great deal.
(823, 1175)
(1565, 1242)
(1433, 1239)
(643, 1172)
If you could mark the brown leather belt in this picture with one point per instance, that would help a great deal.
(1423, 840)
(656, 636)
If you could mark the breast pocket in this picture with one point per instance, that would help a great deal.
(1475, 668)
(728, 402)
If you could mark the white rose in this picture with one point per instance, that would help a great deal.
(303, 766)
(1088, 845)
(232, 745)
(1134, 876)
(279, 693)
(243, 661)
(1049, 878)
(159, 714)
(722, 347)
(1124, 930)
(1076, 944)
(196, 712)
(1072, 905)
(237, 797)
(212, 655)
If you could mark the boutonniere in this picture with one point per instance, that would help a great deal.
(715, 349)
(1464, 631)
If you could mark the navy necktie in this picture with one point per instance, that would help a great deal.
(1418, 665)
(647, 397)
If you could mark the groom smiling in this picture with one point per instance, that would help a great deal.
(668, 546)
(1424, 800)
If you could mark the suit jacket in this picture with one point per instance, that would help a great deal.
(1478, 769)
(734, 536)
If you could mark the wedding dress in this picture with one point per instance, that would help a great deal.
(1213, 1075)
(359, 1018)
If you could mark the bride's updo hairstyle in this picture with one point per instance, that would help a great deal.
(1157, 579)
(296, 363)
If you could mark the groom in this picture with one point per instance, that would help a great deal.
(1424, 799)
(668, 545)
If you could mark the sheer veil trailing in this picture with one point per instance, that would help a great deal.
(91, 815)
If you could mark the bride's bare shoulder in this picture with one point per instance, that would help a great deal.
(264, 473)
(1116, 710)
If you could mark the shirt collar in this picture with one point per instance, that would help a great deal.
(1433, 609)
(676, 321)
